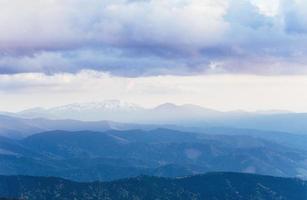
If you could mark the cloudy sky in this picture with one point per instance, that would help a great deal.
(223, 54)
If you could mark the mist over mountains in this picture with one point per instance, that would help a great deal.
(116, 110)
(73, 55)
(187, 115)
(114, 140)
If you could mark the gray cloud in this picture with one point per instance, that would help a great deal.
(143, 38)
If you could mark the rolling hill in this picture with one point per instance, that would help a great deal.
(87, 156)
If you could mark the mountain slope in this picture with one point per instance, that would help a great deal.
(17, 128)
(110, 155)
(283, 138)
(212, 186)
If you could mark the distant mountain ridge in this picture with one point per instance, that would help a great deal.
(108, 105)
(115, 110)
(211, 186)
(72, 111)
(186, 115)
(91, 111)
(16, 127)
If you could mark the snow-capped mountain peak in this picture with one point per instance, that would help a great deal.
(108, 105)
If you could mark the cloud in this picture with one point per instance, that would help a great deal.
(67, 24)
(146, 37)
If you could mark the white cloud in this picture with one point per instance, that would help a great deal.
(268, 8)
(151, 37)
(57, 24)
(37, 24)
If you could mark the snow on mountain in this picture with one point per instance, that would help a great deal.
(114, 110)
(108, 105)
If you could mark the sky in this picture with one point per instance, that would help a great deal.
(222, 54)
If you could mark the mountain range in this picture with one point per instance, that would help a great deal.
(113, 154)
(17, 127)
(187, 115)
(115, 110)
(157, 153)
(211, 186)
